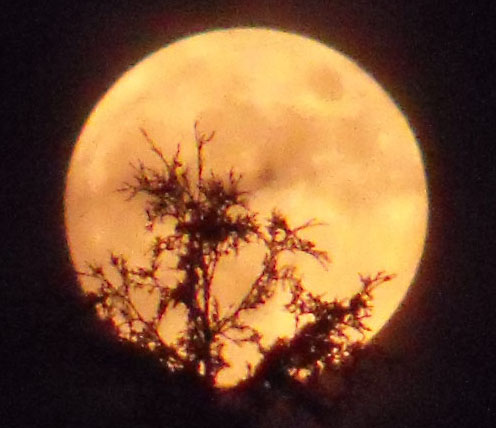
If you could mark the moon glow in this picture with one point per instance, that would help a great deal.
(313, 135)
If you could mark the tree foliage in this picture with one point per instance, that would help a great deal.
(212, 219)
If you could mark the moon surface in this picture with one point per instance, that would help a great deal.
(313, 135)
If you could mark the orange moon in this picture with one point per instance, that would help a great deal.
(313, 134)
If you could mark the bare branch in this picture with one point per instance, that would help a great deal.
(211, 221)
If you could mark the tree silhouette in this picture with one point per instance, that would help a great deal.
(212, 219)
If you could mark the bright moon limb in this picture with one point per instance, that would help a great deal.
(313, 134)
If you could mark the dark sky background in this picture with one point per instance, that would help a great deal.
(434, 58)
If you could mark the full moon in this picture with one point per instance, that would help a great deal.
(313, 134)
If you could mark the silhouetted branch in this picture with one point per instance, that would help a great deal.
(211, 220)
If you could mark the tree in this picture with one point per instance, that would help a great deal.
(211, 219)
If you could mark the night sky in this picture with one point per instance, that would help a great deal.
(60, 369)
